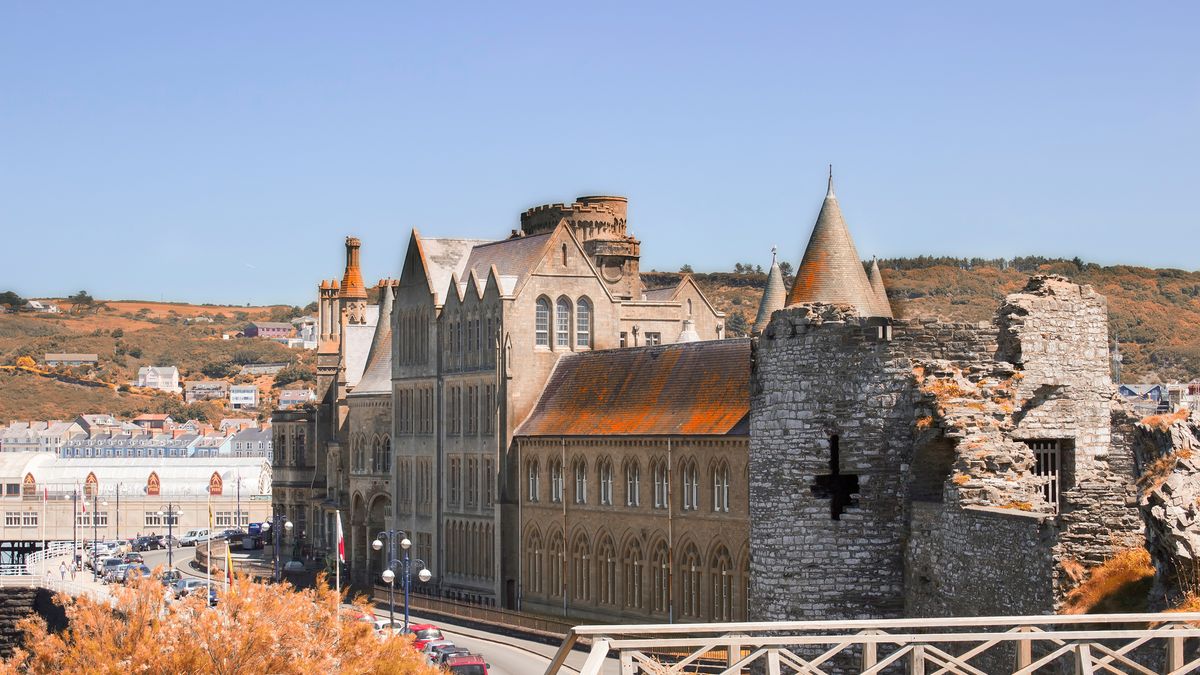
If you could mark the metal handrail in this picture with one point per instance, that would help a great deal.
(1087, 640)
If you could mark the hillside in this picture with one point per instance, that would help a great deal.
(1155, 313)
(127, 335)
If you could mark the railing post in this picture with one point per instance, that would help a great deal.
(917, 660)
(1174, 654)
(627, 667)
(870, 652)
(732, 654)
(1024, 650)
(595, 658)
(1083, 660)
(773, 662)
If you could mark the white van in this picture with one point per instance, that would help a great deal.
(193, 537)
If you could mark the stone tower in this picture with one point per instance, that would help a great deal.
(831, 271)
(599, 223)
(774, 296)
(353, 295)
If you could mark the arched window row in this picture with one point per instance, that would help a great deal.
(566, 324)
(471, 549)
(590, 572)
(691, 493)
(470, 337)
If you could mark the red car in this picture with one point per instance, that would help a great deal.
(422, 633)
(471, 664)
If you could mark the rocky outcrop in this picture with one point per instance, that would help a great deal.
(1169, 501)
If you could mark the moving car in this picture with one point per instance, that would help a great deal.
(148, 544)
(127, 572)
(170, 577)
(444, 655)
(133, 557)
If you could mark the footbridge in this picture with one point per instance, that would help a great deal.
(1148, 644)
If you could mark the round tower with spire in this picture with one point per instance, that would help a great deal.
(831, 271)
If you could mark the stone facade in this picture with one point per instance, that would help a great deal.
(891, 460)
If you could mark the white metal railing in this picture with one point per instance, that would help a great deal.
(54, 549)
(1022, 645)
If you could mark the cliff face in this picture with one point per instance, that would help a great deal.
(1169, 499)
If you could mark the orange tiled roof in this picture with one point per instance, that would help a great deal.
(696, 388)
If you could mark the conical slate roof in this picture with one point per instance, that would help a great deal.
(882, 306)
(831, 270)
(773, 298)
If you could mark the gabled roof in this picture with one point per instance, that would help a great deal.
(515, 257)
(774, 296)
(695, 388)
(443, 257)
(377, 377)
(831, 270)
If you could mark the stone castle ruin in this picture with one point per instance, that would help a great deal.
(926, 468)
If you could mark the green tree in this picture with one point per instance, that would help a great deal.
(117, 332)
(296, 373)
(737, 325)
(219, 369)
(686, 269)
(11, 299)
(83, 299)
(786, 268)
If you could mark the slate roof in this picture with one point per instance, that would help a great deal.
(659, 294)
(357, 339)
(377, 376)
(514, 257)
(882, 306)
(831, 270)
(695, 388)
(773, 298)
(444, 257)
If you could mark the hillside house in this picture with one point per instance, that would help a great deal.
(164, 378)
(268, 329)
(242, 396)
(205, 390)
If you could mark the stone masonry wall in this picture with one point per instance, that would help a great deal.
(820, 372)
(914, 405)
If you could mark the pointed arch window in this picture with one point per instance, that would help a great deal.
(720, 480)
(606, 483)
(534, 480)
(606, 573)
(387, 454)
(633, 483)
(556, 481)
(580, 482)
(721, 597)
(554, 565)
(583, 324)
(541, 324)
(662, 482)
(660, 570)
(690, 571)
(691, 486)
(581, 570)
(533, 563)
(631, 574)
(562, 323)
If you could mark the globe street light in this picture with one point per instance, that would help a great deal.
(405, 565)
(95, 523)
(171, 514)
(278, 524)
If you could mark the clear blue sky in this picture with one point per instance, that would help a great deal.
(221, 151)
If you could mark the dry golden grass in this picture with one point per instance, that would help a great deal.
(1017, 506)
(1120, 584)
(1165, 421)
(1157, 473)
(925, 422)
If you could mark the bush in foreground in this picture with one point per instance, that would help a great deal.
(255, 628)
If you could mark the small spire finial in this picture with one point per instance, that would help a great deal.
(829, 193)
(773, 250)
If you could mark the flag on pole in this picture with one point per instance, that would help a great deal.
(341, 539)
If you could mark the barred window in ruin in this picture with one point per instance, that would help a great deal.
(1048, 465)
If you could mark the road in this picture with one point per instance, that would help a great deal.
(507, 655)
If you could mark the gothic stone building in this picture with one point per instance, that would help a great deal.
(926, 468)
(421, 393)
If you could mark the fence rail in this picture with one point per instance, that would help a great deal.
(491, 615)
(1116, 643)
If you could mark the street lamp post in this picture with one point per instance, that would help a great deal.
(171, 514)
(95, 522)
(277, 525)
(404, 565)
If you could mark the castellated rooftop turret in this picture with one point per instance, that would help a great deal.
(599, 222)
(831, 270)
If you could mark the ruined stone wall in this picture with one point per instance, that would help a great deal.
(819, 373)
(978, 561)
(915, 405)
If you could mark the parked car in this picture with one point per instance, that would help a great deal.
(132, 571)
(233, 535)
(133, 557)
(169, 577)
(151, 543)
(427, 650)
(112, 575)
(436, 651)
(183, 587)
(193, 537)
(109, 566)
(472, 664)
(381, 627)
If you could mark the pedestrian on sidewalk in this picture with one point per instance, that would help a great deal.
(48, 577)
(62, 570)
(72, 573)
